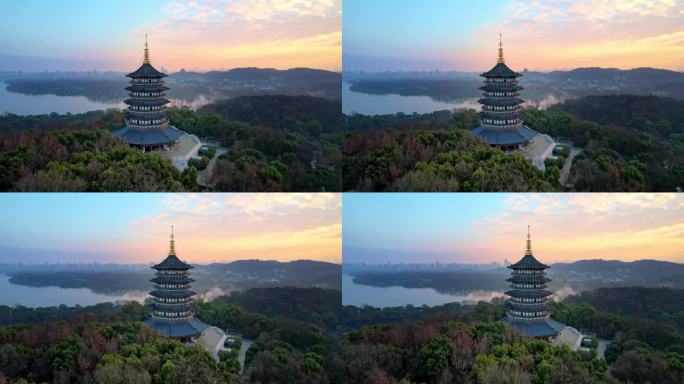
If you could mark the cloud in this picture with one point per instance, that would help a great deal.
(625, 226)
(226, 34)
(573, 33)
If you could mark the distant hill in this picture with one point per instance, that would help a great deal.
(638, 76)
(187, 85)
(615, 272)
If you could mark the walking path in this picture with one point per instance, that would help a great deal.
(204, 176)
(565, 171)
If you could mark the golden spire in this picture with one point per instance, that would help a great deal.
(501, 58)
(172, 248)
(147, 53)
(528, 251)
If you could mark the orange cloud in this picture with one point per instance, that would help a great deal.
(226, 227)
(546, 34)
(215, 34)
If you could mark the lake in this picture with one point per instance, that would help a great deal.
(11, 294)
(359, 295)
(367, 104)
(21, 104)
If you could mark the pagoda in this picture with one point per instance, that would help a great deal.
(147, 124)
(528, 311)
(172, 313)
(501, 123)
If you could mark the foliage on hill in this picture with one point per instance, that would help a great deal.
(465, 347)
(109, 344)
(452, 343)
(631, 143)
(77, 153)
(432, 155)
(275, 143)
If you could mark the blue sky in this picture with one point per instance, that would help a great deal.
(542, 35)
(482, 228)
(134, 227)
(198, 34)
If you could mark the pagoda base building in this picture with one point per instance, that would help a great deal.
(501, 123)
(527, 310)
(171, 306)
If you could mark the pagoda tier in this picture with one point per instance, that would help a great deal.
(171, 306)
(147, 122)
(501, 123)
(527, 310)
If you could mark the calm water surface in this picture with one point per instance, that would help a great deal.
(11, 294)
(21, 104)
(367, 104)
(359, 295)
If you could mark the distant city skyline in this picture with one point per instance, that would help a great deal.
(203, 35)
(134, 228)
(490, 227)
(543, 35)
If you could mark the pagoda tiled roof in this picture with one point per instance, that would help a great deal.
(530, 293)
(175, 308)
(504, 136)
(146, 70)
(502, 115)
(535, 328)
(528, 279)
(171, 279)
(172, 262)
(175, 293)
(150, 101)
(501, 101)
(142, 115)
(501, 70)
(528, 262)
(177, 328)
(159, 87)
(528, 308)
(149, 136)
(501, 87)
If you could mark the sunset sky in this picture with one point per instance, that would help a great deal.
(134, 227)
(195, 35)
(490, 227)
(538, 35)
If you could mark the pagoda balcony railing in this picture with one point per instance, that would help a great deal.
(146, 113)
(501, 109)
(146, 80)
(528, 272)
(172, 300)
(492, 126)
(173, 272)
(528, 286)
(500, 80)
(172, 286)
(502, 94)
(531, 304)
(163, 318)
(170, 315)
(147, 95)
(502, 123)
(147, 123)
(136, 126)
(513, 316)
(145, 108)
(171, 305)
